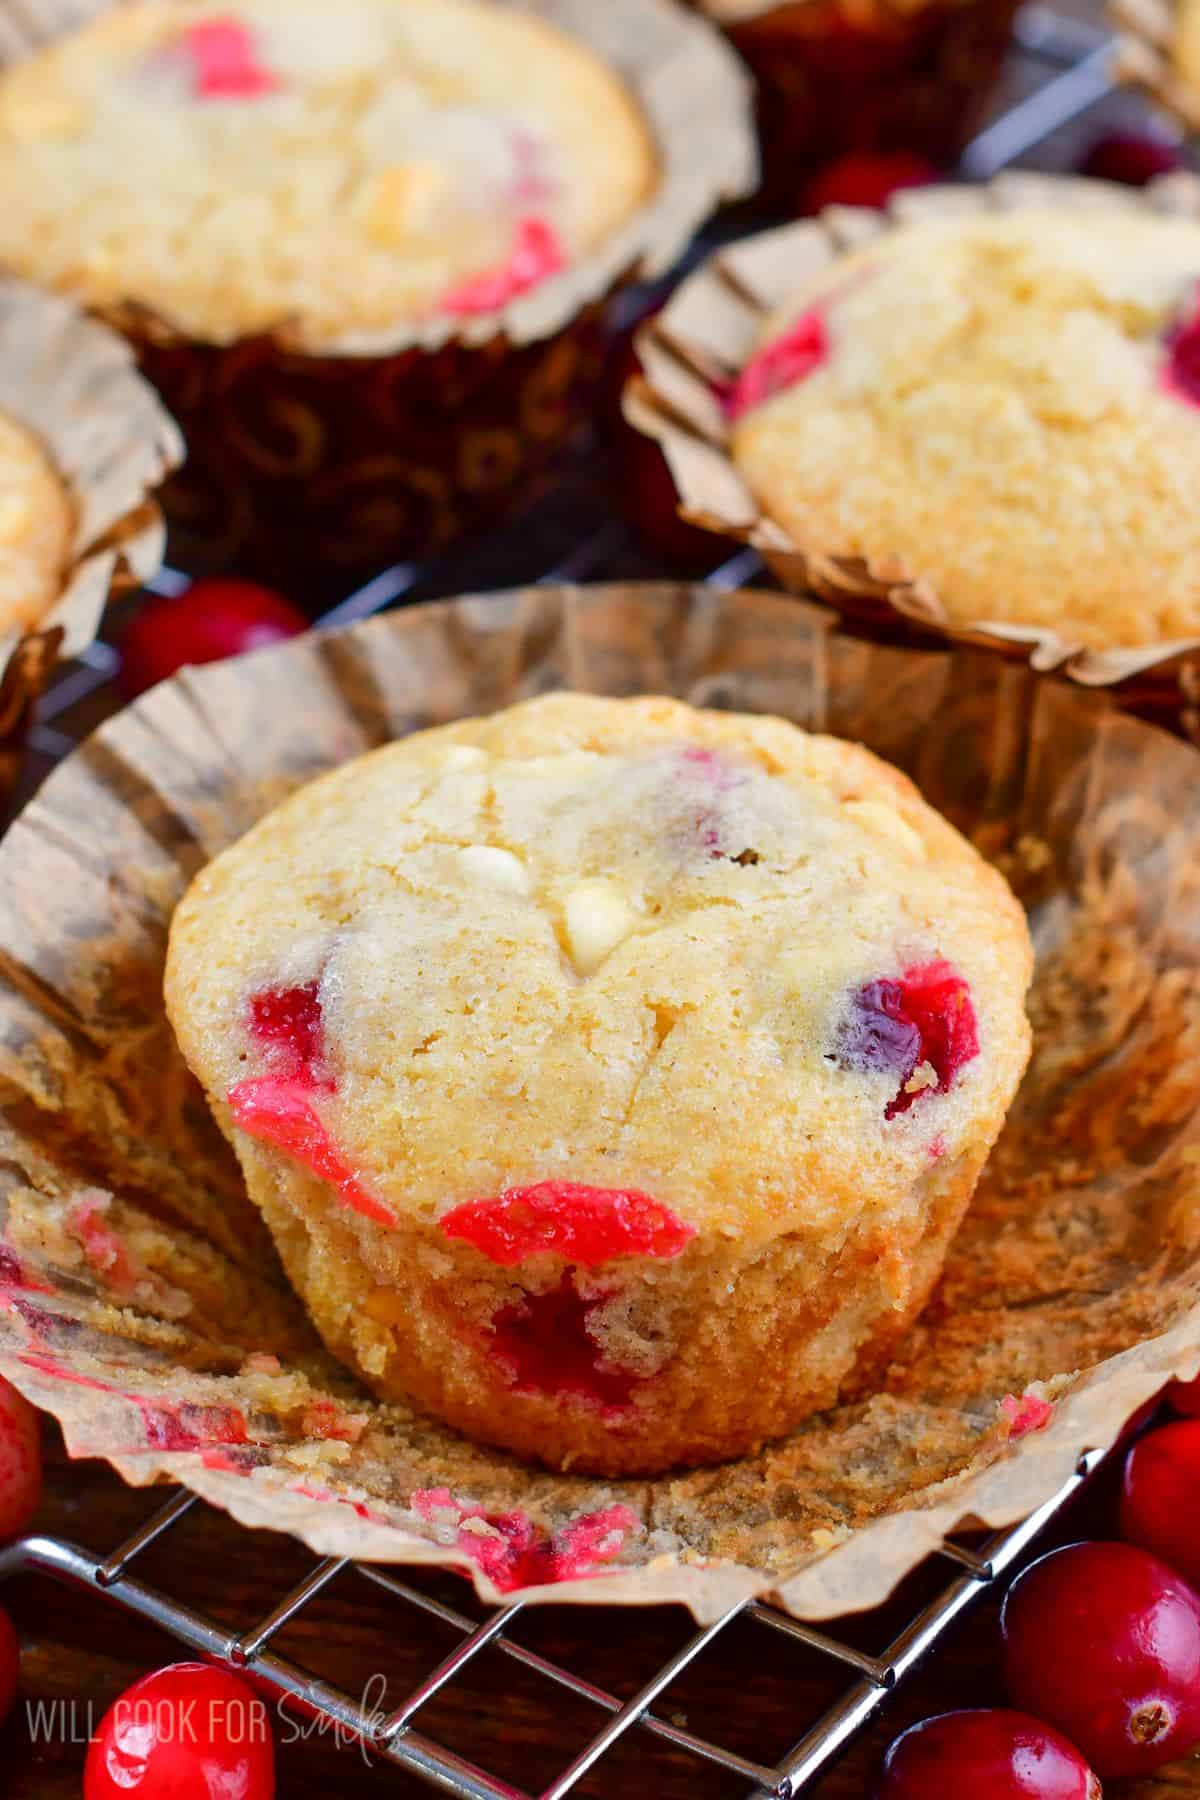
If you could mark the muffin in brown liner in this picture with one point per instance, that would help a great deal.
(835, 76)
(140, 1300)
(707, 332)
(73, 384)
(315, 465)
(1148, 56)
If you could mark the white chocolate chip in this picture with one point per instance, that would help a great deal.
(462, 756)
(598, 917)
(884, 820)
(498, 868)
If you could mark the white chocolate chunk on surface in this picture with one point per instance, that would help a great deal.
(498, 868)
(598, 917)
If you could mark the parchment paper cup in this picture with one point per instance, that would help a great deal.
(72, 382)
(313, 465)
(1145, 57)
(707, 332)
(140, 1301)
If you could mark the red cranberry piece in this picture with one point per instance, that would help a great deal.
(779, 365)
(583, 1224)
(1182, 373)
(538, 254)
(288, 1022)
(185, 1730)
(1159, 1488)
(1184, 1397)
(278, 1111)
(10, 1665)
(926, 1016)
(210, 621)
(988, 1754)
(1131, 157)
(225, 60)
(544, 1345)
(20, 1462)
(865, 178)
(1104, 1640)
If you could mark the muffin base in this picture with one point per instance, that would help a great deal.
(739, 1345)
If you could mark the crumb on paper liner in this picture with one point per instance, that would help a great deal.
(696, 98)
(707, 332)
(140, 1298)
(1144, 56)
(73, 383)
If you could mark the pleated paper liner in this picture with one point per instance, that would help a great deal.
(708, 331)
(1145, 57)
(72, 382)
(836, 76)
(140, 1300)
(314, 465)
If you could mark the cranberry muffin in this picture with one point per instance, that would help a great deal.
(333, 170)
(37, 525)
(1003, 408)
(611, 1075)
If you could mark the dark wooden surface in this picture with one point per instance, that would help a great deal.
(751, 1691)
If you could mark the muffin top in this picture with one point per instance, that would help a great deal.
(335, 169)
(36, 528)
(1008, 406)
(698, 957)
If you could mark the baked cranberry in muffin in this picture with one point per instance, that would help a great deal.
(612, 1075)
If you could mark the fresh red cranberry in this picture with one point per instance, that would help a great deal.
(989, 1755)
(779, 365)
(865, 178)
(1131, 157)
(898, 1025)
(544, 1347)
(187, 1732)
(10, 1665)
(1184, 1397)
(210, 621)
(20, 1462)
(1159, 1490)
(1103, 1640)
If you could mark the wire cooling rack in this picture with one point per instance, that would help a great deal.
(1060, 73)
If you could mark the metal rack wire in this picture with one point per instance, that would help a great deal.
(1063, 66)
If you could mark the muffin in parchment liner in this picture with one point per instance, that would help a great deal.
(140, 1300)
(70, 386)
(838, 76)
(315, 458)
(1158, 51)
(693, 352)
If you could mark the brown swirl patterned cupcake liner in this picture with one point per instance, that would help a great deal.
(840, 75)
(317, 468)
(707, 332)
(140, 1299)
(73, 383)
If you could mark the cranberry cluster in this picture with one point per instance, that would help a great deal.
(1101, 1653)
